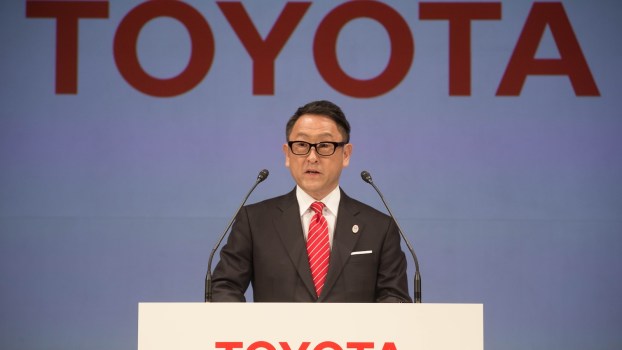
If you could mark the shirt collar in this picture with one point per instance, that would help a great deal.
(331, 201)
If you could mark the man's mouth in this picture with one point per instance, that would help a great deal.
(312, 172)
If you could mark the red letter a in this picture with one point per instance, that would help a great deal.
(571, 62)
(389, 346)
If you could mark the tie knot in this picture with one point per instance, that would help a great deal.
(317, 207)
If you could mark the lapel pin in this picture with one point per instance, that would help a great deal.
(355, 229)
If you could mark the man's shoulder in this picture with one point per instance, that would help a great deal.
(355, 206)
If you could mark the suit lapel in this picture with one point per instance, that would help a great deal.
(289, 228)
(344, 240)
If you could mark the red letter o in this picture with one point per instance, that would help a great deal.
(200, 58)
(261, 345)
(327, 345)
(325, 44)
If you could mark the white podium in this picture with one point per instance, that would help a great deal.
(308, 326)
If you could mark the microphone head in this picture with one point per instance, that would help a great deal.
(262, 175)
(366, 176)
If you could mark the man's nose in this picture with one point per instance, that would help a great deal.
(312, 156)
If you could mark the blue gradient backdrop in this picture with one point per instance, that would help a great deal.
(111, 197)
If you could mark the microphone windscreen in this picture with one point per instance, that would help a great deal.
(366, 176)
(263, 175)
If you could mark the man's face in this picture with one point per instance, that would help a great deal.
(317, 175)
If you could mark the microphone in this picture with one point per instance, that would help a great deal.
(208, 277)
(366, 176)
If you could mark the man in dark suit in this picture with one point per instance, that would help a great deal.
(314, 243)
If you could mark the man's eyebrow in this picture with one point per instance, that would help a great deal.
(302, 134)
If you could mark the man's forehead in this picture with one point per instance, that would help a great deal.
(312, 124)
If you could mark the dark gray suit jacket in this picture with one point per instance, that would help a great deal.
(266, 247)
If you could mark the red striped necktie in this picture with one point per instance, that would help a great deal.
(318, 247)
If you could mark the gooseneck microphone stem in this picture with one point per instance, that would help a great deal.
(208, 277)
(366, 176)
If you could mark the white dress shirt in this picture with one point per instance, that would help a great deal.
(331, 207)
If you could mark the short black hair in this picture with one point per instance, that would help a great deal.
(324, 108)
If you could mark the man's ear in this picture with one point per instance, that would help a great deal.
(286, 153)
(347, 152)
